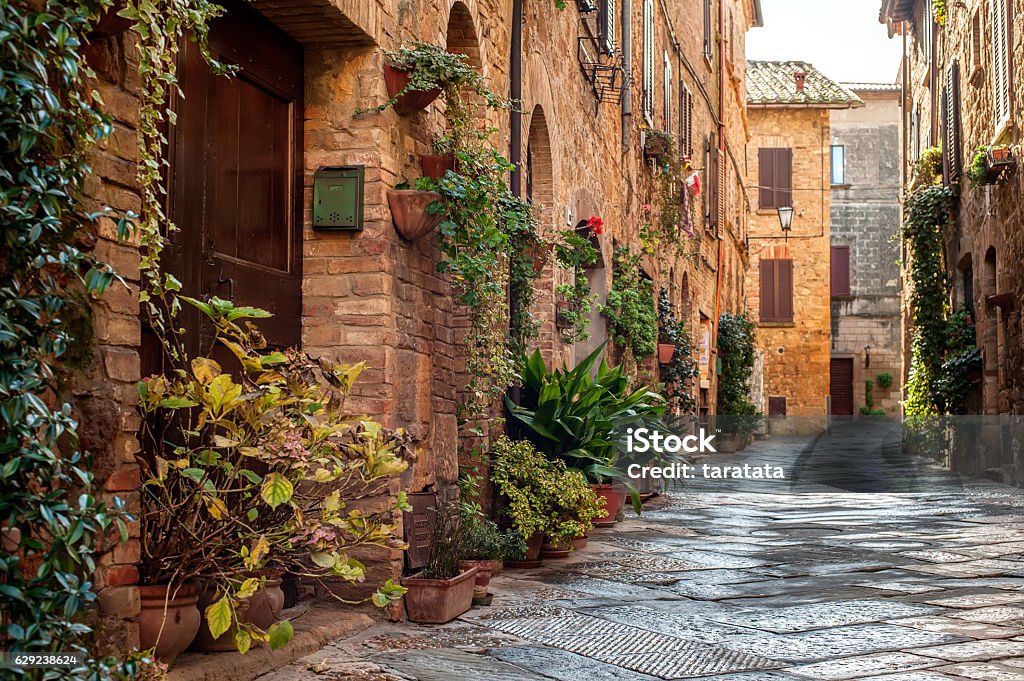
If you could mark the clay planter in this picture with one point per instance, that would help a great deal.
(169, 624)
(436, 601)
(541, 254)
(580, 543)
(436, 165)
(483, 576)
(728, 443)
(613, 500)
(556, 551)
(534, 545)
(496, 567)
(409, 212)
(396, 80)
(666, 351)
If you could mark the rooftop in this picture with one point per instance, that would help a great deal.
(873, 87)
(776, 83)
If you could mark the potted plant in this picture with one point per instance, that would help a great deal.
(442, 160)
(485, 546)
(658, 145)
(252, 485)
(989, 163)
(442, 590)
(544, 500)
(415, 212)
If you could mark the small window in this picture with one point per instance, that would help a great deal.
(840, 271)
(976, 52)
(776, 290)
(685, 121)
(775, 178)
(838, 164)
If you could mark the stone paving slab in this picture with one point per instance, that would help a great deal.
(864, 666)
(824, 615)
(975, 650)
(984, 671)
(446, 665)
(960, 627)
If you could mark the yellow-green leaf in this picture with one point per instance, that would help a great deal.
(219, 616)
(279, 634)
(243, 641)
(248, 588)
(276, 490)
(323, 559)
(205, 370)
(216, 507)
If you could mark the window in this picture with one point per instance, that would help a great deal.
(667, 93)
(648, 60)
(1000, 63)
(708, 38)
(607, 25)
(776, 290)
(840, 271)
(685, 121)
(951, 160)
(838, 164)
(775, 177)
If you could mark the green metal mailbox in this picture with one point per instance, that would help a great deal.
(338, 198)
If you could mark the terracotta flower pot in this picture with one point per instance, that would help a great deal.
(580, 543)
(666, 351)
(534, 545)
(396, 80)
(436, 165)
(170, 624)
(496, 567)
(436, 601)
(483, 576)
(613, 499)
(556, 550)
(409, 212)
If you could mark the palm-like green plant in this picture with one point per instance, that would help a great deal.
(580, 416)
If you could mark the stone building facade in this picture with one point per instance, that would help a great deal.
(369, 295)
(961, 92)
(866, 317)
(787, 160)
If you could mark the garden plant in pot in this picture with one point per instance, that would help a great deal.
(581, 420)
(443, 590)
(251, 470)
(542, 499)
(736, 350)
(485, 545)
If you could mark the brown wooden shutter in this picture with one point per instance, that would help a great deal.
(714, 160)
(767, 273)
(783, 177)
(766, 178)
(951, 138)
(840, 268)
(723, 190)
(784, 289)
(607, 25)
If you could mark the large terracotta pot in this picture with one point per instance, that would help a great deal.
(613, 500)
(169, 624)
(396, 80)
(409, 212)
(532, 559)
(554, 551)
(666, 351)
(496, 567)
(436, 165)
(436, 601)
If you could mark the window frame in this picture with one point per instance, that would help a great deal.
(775, 188)
(647, 55)
(667, 92)
(606, 26)
(772, 269)
(841, 180)
(1002, 78)
(708, 28)
(845, 290)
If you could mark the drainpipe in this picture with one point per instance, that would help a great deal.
(627, 68)
(722, 149)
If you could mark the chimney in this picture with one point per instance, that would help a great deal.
(800, 77)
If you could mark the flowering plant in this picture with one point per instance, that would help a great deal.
(256, 467)
(595, 225)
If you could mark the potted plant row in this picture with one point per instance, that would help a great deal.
(444, 588)
(249, 472)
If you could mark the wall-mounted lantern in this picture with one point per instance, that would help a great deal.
(786, 218)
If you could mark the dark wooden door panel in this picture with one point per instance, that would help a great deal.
(841, 386)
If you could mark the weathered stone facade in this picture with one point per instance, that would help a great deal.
(866, 323)
(985, 245)
(371, 296)
(795, 351)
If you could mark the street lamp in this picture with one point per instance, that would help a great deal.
(786, 218)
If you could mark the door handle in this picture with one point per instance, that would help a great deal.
(221, 280)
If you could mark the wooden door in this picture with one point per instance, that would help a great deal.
(236, 181)
(841, 386)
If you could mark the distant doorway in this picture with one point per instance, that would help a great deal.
(841, 386)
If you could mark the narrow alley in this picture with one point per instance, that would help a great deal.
(922, 586)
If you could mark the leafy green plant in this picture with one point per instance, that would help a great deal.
(928, 168)
(631, 313)
(260, 468)
(736, 353)
(869, 408)
(542, 495)
(884, 380)
(939, 11)
(447, 544)
(678, 375)
(575, 251)
(483, 539)
(977, 172)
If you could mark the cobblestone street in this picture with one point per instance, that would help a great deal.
(905, 587)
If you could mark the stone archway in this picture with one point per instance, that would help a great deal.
(540, 191)
(461, 35)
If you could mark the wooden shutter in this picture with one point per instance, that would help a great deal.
(766, 178)
(783, 177)
(607, 25)
(689, 122)
(784, 290)
(1000, 63)
(951, 139)
(723, 190)
(840, 268)
(768, 312)
(648, 59)
(714, 188)
(707, 29)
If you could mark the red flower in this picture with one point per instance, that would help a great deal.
(595, 225)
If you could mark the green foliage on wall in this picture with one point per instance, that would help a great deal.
(630, 309)
(736, 352)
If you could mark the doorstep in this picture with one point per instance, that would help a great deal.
(316, 625)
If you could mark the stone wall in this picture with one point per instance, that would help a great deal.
(866, 325)
(796, 354)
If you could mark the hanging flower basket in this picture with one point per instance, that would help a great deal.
(409, 212)
(657, 146)
(562, 310)
(666, 351)
(409, 102)
(435, 166)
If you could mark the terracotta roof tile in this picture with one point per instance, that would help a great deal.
(774, 82)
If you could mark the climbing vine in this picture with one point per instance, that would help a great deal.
(630, 308)
(679, 373)
(736, 353)
(575, 251)
(927, 212)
